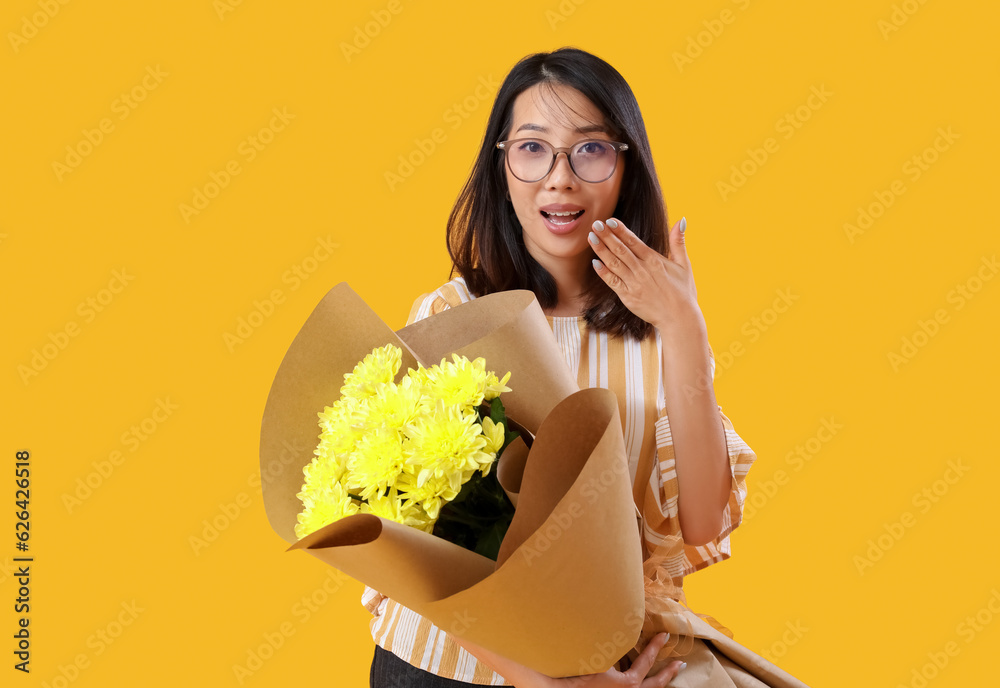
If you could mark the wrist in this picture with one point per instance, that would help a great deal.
(690, 324)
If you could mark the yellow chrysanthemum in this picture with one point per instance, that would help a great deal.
(445, 444)
(376, 462)
(323, 507)
(419, 375)
(433, 494)
(339, 427)
(404, 449)
(494, 434)
(322, 472)
(390, 506)
(394, 406)
(459, 383)
(495, 387)
(381, 365)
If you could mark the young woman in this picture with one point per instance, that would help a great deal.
(564, 200)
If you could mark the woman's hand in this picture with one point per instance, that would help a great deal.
(635, 677)
(523, 677)
(659, 289)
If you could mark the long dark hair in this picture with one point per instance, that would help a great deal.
(484, 236)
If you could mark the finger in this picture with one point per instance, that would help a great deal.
(616, 283)
(630, 240)
(610, 249)
(640, 667)
(664, 676)
(675, 241)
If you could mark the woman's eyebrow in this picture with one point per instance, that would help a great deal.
(588, 129)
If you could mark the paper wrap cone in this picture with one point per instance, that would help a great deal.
(565, 596)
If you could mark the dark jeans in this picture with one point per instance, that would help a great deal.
(389, 671)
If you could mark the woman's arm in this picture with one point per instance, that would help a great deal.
(701, 457)
(660, 290)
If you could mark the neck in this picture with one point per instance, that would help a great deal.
(571, 281)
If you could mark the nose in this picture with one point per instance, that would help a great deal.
(561, 175)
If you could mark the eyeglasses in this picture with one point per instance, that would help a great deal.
(531, 160)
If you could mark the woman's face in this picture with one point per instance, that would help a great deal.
(564, 120)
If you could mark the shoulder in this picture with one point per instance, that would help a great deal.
(449, 294)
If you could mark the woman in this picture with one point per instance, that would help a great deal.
(564, 200)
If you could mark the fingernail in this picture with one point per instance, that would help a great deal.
(593, 239)
(597, 264)
(612, 224)
(598, 225)
(684, 224)
(682, 666)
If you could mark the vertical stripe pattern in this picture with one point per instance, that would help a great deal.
(631, 369)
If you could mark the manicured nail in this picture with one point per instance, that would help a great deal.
(612, 224)
(598, 225)
(682, 667)
(593, 239)
(684, 224)
(597, 264)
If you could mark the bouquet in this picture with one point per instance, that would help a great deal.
(419, 452)
(564, 594)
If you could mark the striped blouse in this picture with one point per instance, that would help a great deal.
(631, 369)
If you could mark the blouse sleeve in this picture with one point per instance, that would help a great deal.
(741, 457)
(425, 306)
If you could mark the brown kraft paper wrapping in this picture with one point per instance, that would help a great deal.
(566, 595)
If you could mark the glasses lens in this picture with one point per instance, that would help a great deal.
(530, 159)
(594, 161)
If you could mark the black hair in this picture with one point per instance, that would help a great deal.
(484, 236)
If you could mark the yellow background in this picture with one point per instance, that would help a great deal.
(793, 591)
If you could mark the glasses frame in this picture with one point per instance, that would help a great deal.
(619, 147)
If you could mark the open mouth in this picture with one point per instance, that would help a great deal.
(562, 218)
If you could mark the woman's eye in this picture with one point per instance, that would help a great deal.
(531, 147)
(593, 148)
